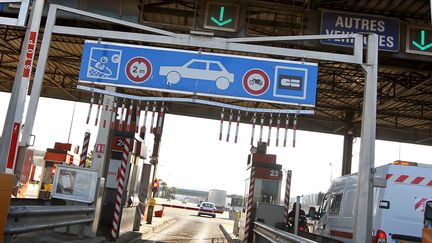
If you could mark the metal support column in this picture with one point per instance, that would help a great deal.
(12, 126)
(155, 159)
(364, 197)
(39, 75)
(347, 145)
(99, 161)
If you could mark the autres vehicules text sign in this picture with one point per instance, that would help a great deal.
(387, 29)
(199, 73)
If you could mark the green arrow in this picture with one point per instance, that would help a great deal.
(422, 45)
(221, 22)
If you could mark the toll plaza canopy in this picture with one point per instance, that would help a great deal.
(404, 107)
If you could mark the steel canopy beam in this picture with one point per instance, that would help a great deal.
(214, 43)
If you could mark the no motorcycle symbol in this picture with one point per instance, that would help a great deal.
(256, 82)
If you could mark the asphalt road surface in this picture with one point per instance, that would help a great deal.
(191, 228)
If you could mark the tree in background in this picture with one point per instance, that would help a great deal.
(163, 187)
(167, 192)
(171, 192)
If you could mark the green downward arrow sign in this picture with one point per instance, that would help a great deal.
(220, 22)
(422, 45)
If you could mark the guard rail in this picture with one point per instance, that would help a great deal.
(24, 219)
(272, 234)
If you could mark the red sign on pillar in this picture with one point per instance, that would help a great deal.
(13, 146)
(29, 54)
(100, 148)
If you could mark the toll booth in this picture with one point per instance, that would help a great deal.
(61, 154)
(263, 188)
(136, 181)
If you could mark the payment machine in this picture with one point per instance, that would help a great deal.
(263, 188)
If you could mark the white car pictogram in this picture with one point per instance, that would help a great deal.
(199, 69)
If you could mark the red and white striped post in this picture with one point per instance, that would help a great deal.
(253, 128)
(161, 117)
(129, 117)
(143, 128)
(90, 108)
(98, 109)
(261, 128)
(121, 184)
(221, 124)
(114, 115)
(277, 130)
(84, 150)
(287, 196)
(138, 116)
(229, 125)
(237, 127)
(286, 130)
(269, 131)
(153, 117)
(122, 115)
(249, 206)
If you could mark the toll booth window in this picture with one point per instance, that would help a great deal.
(266, 191)
(335, 204)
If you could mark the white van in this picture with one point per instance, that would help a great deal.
(397, 209)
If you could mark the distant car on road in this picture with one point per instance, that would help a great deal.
(199, 69)
(207, 208)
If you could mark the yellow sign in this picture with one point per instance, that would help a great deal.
(152, 201)
(48, 187)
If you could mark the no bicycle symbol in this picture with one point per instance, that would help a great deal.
(138, 69)
(256, 81)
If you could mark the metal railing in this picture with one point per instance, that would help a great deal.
(272, 234)
(24, 219)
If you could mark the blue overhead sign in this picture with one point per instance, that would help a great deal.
(387, 29)
(199, 73)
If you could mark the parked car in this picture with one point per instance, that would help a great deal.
(207, 208)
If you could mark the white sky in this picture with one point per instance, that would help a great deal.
(192, 156)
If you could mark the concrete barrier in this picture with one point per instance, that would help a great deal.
(7, 183)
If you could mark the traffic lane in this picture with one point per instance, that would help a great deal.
(220, 218)
(189, 227)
